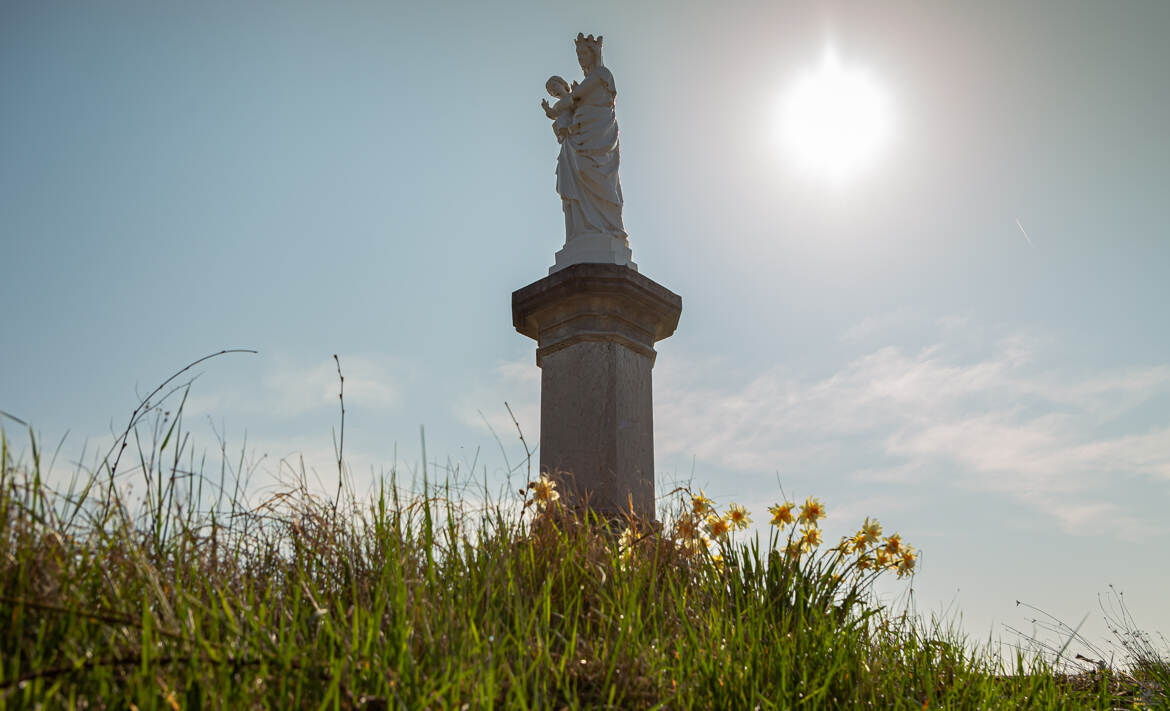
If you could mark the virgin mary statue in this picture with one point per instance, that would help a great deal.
(587, 167)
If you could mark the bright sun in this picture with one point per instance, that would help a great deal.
(834, 120)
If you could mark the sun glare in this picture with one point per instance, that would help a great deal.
(833, 120)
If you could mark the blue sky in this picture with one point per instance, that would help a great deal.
(375, 179)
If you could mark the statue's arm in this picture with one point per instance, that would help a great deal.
(606, 77)
(581, 91)
(599, 81)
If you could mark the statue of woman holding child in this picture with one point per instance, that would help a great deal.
(585, 124)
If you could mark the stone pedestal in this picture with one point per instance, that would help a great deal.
(595, 326)
(594, 249)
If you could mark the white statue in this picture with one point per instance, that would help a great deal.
(585, 125)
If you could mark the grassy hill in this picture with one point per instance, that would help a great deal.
(186, 597)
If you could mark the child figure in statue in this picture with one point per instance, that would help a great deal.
(561, 112)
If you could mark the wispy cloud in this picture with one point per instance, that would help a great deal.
(288, 388)
(1007, 422)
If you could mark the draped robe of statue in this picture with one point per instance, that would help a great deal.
(587, 167)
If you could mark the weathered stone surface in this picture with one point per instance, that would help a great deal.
(595, 327)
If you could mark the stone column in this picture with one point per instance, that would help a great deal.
(595, 326)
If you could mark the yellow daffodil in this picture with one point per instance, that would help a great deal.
(717, 526)
(782, 514)
(687, 528)
(701, 505)
(717, 560)
(626, 547)
(894, 544)
(864, 563)
(907, 560)
(737, 517)
(812, 511)
(544, 490)
(872, 530)
(693, 546)
(858, 542)
(811, 538)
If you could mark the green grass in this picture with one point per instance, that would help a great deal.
(187, 597)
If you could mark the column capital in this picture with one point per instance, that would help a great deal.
(595, 302)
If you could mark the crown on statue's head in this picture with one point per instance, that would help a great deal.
(593, 43)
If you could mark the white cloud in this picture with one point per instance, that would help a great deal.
(289, 388)
(299, 388)
(1009, 422)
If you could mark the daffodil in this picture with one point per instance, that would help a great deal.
(858, 542)
(626, 547)
(782, 514)
(737, 517)
(717, 526)
(906, 561)
(694, 546)
(811, 538)
(872, 530)
(812, 511)
(544, 490)
(717, 561)
(686, 528)
(894, 544)
(701, 505)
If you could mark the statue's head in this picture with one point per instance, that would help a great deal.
(588, 52)
(557, 86)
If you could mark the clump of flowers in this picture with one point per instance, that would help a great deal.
(691, 522)
(808, 537)
(871, 552)
(699, 525)
(876, 553)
